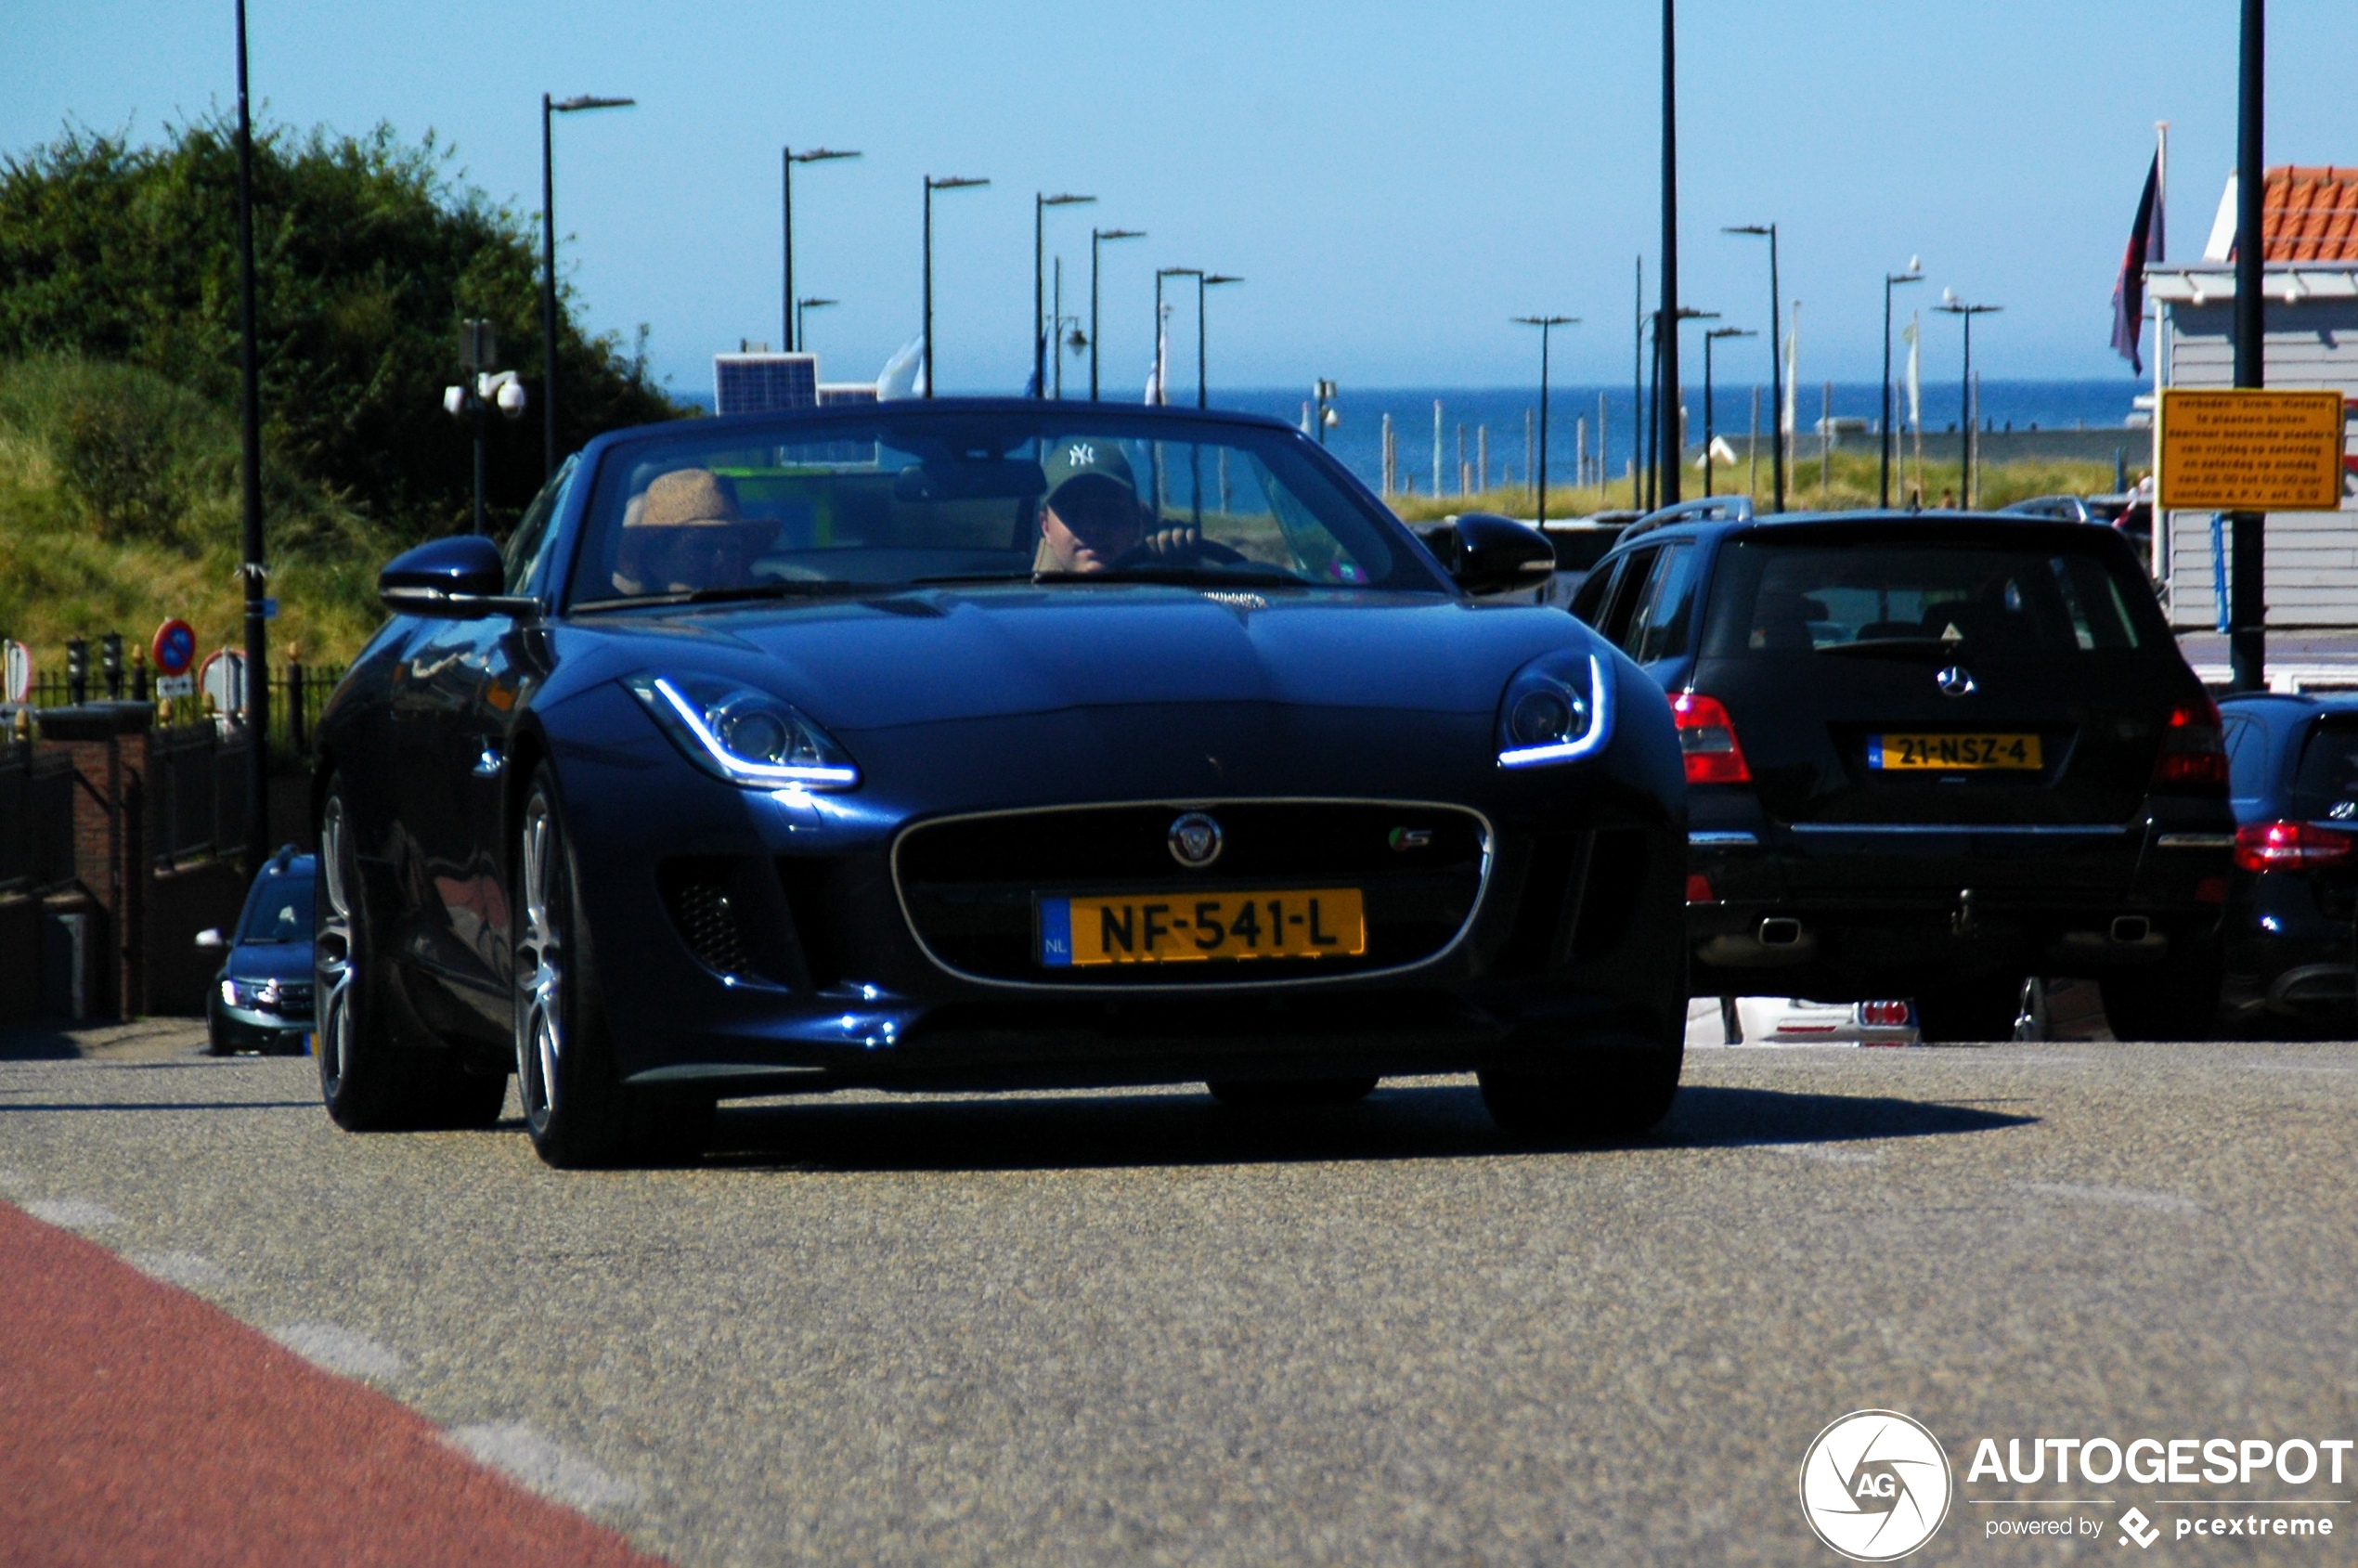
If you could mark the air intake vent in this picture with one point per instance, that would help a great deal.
(698, 897)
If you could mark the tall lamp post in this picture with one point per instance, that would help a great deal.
(953, 182)
(787, 159)
(1098, 237)
(1915, 274)
(1203, 281)
(1667, 334)
(1710, 429)
(1040, 202)
(549, 110)
(1162, 370)
(1546, 325)
(1776, 364)
(801, 327)
(256, 575)
(2248, 591)
(1969, 438)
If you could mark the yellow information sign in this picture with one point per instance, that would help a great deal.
(2251, 449)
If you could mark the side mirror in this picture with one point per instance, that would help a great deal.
(1488, 553)
(457, 578)
(210, 937)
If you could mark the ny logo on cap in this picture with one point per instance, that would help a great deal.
(1081, 454)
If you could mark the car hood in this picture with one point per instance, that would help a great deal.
(270, 961)
(925, 658)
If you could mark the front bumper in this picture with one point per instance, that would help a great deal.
(252, 1029)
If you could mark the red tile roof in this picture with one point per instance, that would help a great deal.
(2311, 215)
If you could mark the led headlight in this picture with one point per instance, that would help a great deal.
(1556, 709)
(237, 994)
(745, 736)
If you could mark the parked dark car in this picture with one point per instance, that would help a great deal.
(1930, 756)
(261, 1000)
(972, 744)
(2294, 765)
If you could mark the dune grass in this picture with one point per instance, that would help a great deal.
(1849, 481)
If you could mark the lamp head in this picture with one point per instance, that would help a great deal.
(1062, 201)
(575, 105)
(820, 155)
(1215, 279)
(953, 182)
(1117, 234)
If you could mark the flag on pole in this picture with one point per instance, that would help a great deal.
(1155, 385)
(2129, 288)
(900, 378)
(1912, 335)
(1793, 369)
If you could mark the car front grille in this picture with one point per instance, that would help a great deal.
(971, 884)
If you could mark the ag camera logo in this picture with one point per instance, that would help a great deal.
(1875, 1485)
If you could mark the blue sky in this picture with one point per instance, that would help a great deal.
(1394, 182)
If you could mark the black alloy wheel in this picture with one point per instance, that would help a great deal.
(1600, 1093)
(576, 1108)
(369, 1081)
(1970, 1012)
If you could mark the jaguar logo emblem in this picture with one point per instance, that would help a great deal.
(1195, 840)
(1956, 681)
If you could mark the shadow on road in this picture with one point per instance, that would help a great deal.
(1438, 1122)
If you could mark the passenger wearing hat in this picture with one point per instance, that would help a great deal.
(683, 533)
(1092, 519)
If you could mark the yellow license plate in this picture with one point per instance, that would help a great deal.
(1950, 754)
(1188, 927)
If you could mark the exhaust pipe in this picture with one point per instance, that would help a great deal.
(1780, 930)
(2131, 928)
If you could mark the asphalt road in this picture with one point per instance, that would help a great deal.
(1140, 1328)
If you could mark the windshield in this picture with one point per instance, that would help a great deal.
(1984, 599)
(282, 912)
(815, 505)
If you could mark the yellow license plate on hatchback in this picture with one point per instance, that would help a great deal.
(1950, 754)
(1191, 927)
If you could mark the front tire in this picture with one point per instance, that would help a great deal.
(368, 1082)
(577, 1110)
(1601, 1094)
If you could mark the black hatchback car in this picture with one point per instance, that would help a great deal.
(1931, 755)
(2293, 762)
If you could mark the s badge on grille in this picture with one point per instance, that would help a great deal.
(1403, 839)
(1956, 681)
(1195, 840)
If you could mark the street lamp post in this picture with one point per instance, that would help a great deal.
(801, 329)
(1776, 364)
(1668, 342)
(1968, 437)
(1546, 325)
(1203, 281)
(787, 159)
(252, 567)
(1710, 429)
(549, 110)
(1040, 202)
(953, 182)
(1162, 370)
(1915, 274)
(2248, 589)
(1098, 237)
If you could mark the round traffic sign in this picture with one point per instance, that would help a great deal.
(175, 648)
(224, 679)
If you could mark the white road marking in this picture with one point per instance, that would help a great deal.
(2127, 1197)
(74, 1214)
(339, 1350)
(188, 1269)
(1828, 1153)
(543, 1465)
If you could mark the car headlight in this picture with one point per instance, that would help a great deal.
(1556, 709)
(237, 994)
(745, 736)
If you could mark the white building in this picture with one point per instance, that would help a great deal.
(2310, 282)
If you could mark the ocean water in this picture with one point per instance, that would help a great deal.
(1359, 440)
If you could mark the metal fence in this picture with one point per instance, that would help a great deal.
(36, 820)
(298, 692)
(196, 789)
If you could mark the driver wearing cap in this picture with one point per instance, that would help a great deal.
(1092, 519)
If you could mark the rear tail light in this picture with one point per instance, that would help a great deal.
(1883, 1015)
(1708, 739)
(1699, 889)
(2287, 845)
(2192, 750)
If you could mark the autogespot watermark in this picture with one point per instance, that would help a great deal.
(1876, 1484)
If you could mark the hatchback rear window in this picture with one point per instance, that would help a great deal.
(1985, 599)
(2329, 774)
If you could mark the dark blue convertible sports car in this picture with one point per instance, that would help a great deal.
(968, 744)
